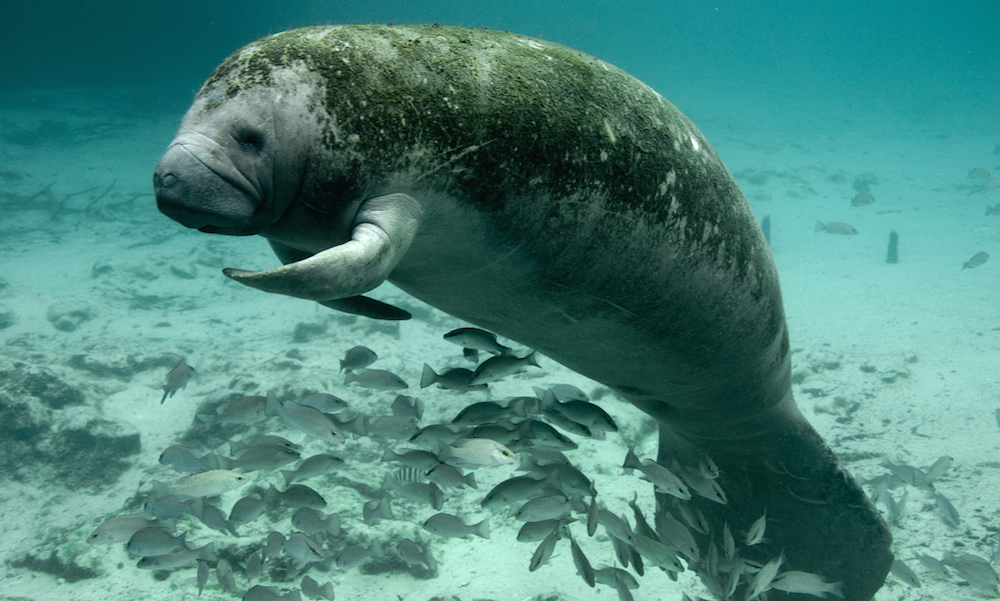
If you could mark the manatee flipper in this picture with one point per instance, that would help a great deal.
(816, 514)
(383, 229)
(354, 305)
(367, 307)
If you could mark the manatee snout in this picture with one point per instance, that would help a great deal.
(199, 197)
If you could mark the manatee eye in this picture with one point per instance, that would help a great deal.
(251, 141)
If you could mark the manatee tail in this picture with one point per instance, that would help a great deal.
(816, 513)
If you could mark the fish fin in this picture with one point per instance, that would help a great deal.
(482, 529)
(428, 377)
(272, 407)
(367, 307)
(161, 490)
(207, 419)
(384, 228)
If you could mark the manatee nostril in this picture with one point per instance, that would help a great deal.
(164, 181)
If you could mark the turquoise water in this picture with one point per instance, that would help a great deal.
(807, 104)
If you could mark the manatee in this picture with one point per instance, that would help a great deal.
(545, 195)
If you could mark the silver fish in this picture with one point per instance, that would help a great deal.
(454, 378)
(203, 573)
(297, 495)
(120, 528)
(903, 572)
(376, 379)
(418, 492)
(422, 460)
(358, 357)
(533, 532)
(374, 511)
(501, 366)
(224, 575)
(583, 566)
(152, 541)
(205, 484)
(214, 518)
(755, 534)
(476, 452)
(235, 446)
(562, 393)
(246, 510)
(807, 583)
(939, 468)
(582, 412)
(977, 259)
(311, 467)
(445, 524)
(304, 419)
(762, 581)
(934, 565)
(176, 379)
(244, 410)
(183, 460)
(303, 549)
(675, 535)
(167, 508)
(451, 477)
(862, 199)
(310, 521)
(321, 401)
(835, 227)
(408, 407)
(548, 508)
(267, 457)
(175, 560)
(948, 510)
(474, 338)
(544, 550)
(657, 552)
(315, 590)
(254, 566)
(416, 554)
(514, 490)
(544, 436)
(259, 592)
(481, 413)
(663, 479)
(616, 526)
(976, 570)
(356, 554)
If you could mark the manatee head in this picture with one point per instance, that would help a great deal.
(241, 154)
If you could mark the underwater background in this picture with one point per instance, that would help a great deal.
(880, 116)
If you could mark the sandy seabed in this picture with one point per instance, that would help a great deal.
(104, 294)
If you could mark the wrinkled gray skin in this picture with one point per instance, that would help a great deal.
(549, 197)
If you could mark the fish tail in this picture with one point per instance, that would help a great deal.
(482, 529)
(206, 419)
(289, 476)
(350, 377)
(990, 210)
(428, 377)
(272, 407)
(632, 460)
(531, 359)
(161, 490)
(819, 226)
